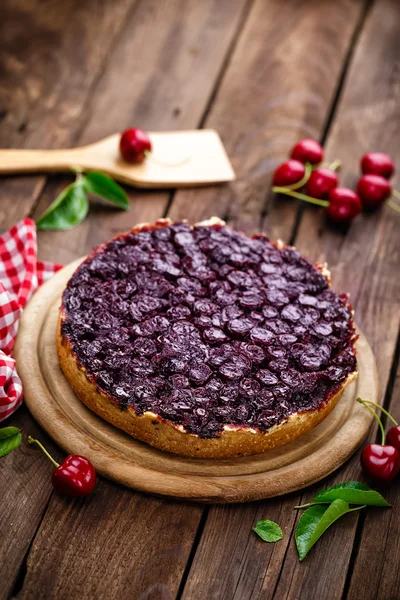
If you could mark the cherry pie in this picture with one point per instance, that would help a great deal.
(204, 342)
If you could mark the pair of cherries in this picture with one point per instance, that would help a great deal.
(381, 462)
(321, 183)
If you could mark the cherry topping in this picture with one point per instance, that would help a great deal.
(74, 477)
(377, 163)
(288, 173)
(344, 205)
(321, 182)
(245, 345)
(134, 145)
(373, 190)
(307, 151)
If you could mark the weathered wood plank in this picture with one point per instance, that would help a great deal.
(279, 87)
(115, 544)
(179, 40)
(47, 76)
(375, 573)
(366, 262)
(231, 562)
(25, 490)
(182, 48)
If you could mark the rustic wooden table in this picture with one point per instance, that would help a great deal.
(264, 73)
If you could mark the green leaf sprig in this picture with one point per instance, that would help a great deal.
(72, 205)
(316, 520)
(10, 438)
(352, 492)
(326, 508)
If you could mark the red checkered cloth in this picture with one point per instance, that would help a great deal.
(20, 275)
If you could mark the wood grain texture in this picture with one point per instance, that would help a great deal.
(153, 62)
(182, 48)
(124, 459)
(363, 260)
(47, 78)
(25, 491)
(189, 37)
(380, 538)
(115, 544)
(231, 562)
(278, 87)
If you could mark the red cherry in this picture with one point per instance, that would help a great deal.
(288, 173)
(393, 437)
(74, 477)
(373, 190)
(134, 145)
(308, 151)
(377, 163)
(321, 182)
(380, 462)
(344, 205)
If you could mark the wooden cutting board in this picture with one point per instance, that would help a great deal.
(137, 465)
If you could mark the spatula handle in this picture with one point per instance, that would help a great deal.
(30, 161)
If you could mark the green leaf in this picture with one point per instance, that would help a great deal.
(315, 521)
(68, 209)
(102, 185)
(353, 493)
(10, 438)
(268, 531)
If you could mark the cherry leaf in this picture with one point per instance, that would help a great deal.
(315, 521)
(102, 185)
(10, 438)
(68, 209)
(268, 531)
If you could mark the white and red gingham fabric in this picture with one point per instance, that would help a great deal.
(20, 275)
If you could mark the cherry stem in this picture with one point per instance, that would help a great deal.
(288, 192)
(377, 418)
(32, 440)
(303, 180)
(335, 165)
(396, 194)
(319, 503)
(385, 412)
(149, 155)
(393, 205)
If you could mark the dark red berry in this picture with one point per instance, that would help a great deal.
(380, 463)
(74, 477)
(377, 163)
(288, 173)
(308, 151)
(393, 437)
(373, 190)
(134, 145)
(344, 205)
(321, 182)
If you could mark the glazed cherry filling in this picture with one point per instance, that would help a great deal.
(207, 328)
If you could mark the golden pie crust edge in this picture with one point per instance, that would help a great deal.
(161, 434)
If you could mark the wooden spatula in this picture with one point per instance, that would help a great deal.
(179, 159)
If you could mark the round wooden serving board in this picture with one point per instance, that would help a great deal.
(135, 464)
